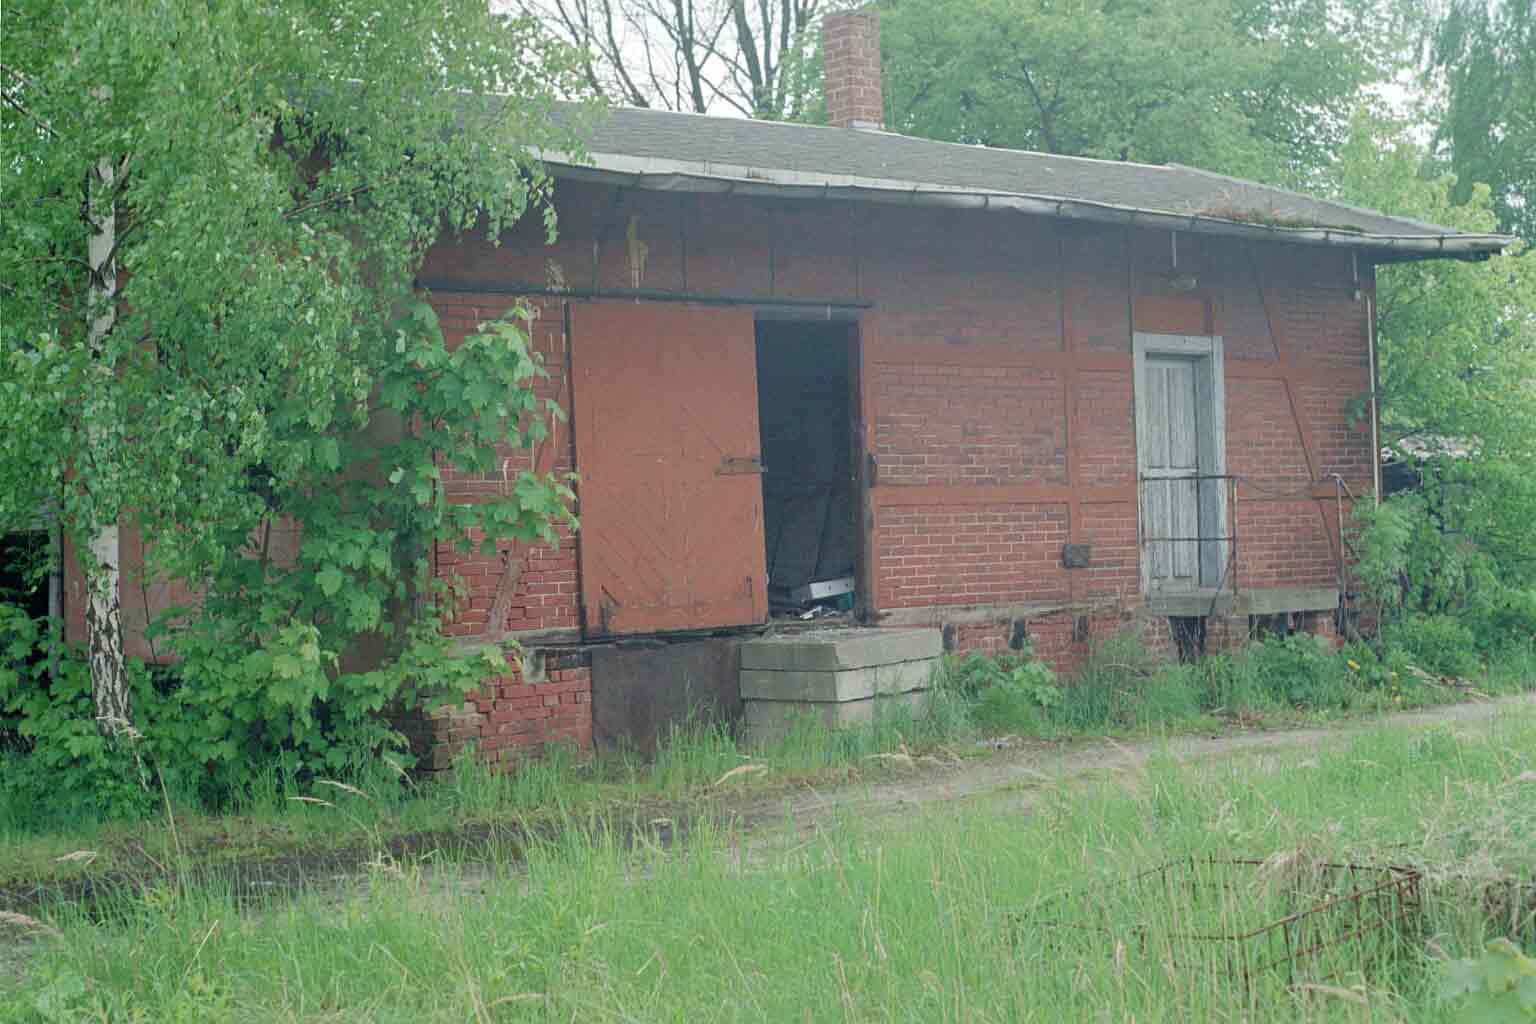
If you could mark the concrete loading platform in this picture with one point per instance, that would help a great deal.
(840, 675)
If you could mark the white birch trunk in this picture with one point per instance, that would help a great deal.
(103, 615)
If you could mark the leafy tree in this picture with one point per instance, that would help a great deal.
(214, 212)
(1253, 88)
(1457, 338)
(1483, 53)
(1457, 344)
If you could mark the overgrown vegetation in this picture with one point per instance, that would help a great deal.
(1123, 688)
(210, 340)
(854, 920)
(977, 702)
(261, 682)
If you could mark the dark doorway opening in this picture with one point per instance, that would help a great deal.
(807, 408)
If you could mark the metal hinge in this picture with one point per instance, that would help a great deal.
(740, 465)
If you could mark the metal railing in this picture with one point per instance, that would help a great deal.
(1228, 540)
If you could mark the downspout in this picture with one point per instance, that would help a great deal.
(1370, 342)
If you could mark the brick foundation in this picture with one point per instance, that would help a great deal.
(510, 718)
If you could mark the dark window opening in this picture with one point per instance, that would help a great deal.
(805, 409)
(24, 582)
(24, 572)
(1263, 627)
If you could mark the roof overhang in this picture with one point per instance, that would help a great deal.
(660, 175)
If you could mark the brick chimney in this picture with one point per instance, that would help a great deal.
(850, 45)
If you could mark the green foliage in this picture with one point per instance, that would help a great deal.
(275, 407)
(1447, 601)
(273, 213)
(1256, 89)
(1457, 339)
(1498, 987)
(1485, 52)
(263, 678)
(62, 768)
(1005, 691)
(264, 658)
(1458, 358)
(1121, 685)
(1439, 643)
(1294, 671)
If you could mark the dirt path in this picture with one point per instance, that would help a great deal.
(1020, 770)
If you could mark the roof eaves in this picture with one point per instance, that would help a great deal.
(1352, 207)
(658, 174)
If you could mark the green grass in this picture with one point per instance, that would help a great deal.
(1121, 691)
(933, 917)
(696, 764)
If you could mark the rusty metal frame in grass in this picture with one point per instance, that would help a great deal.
(1331, 910)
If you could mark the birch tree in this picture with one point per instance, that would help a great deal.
(213, 214)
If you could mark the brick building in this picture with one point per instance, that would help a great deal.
(1009, 394)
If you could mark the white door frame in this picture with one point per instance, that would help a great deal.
(1211, 394)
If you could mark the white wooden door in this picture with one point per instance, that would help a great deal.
(1170, 462)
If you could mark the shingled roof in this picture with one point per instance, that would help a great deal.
(697, 153)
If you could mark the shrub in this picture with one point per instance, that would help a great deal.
(60, 767)
(264, 678)
(1008, 691)
(1441, 644)
(1123, 685)
(1294, 671)
(1505, 623)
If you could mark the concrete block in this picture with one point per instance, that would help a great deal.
(766, 720)
(839, 649)
(836, 685)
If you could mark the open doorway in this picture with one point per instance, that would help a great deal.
(807, 408)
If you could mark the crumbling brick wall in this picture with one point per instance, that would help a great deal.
(510, 717)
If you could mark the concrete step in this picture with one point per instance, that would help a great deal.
(770, 719)
(838, 649)
(836, 685)
(840, 676)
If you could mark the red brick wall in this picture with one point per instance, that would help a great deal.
(969, 554)
(997, 401)
(969, 425)
(546, 596)
(509, 717)
(996, 384)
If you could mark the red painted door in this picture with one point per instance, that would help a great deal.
(667, 450)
